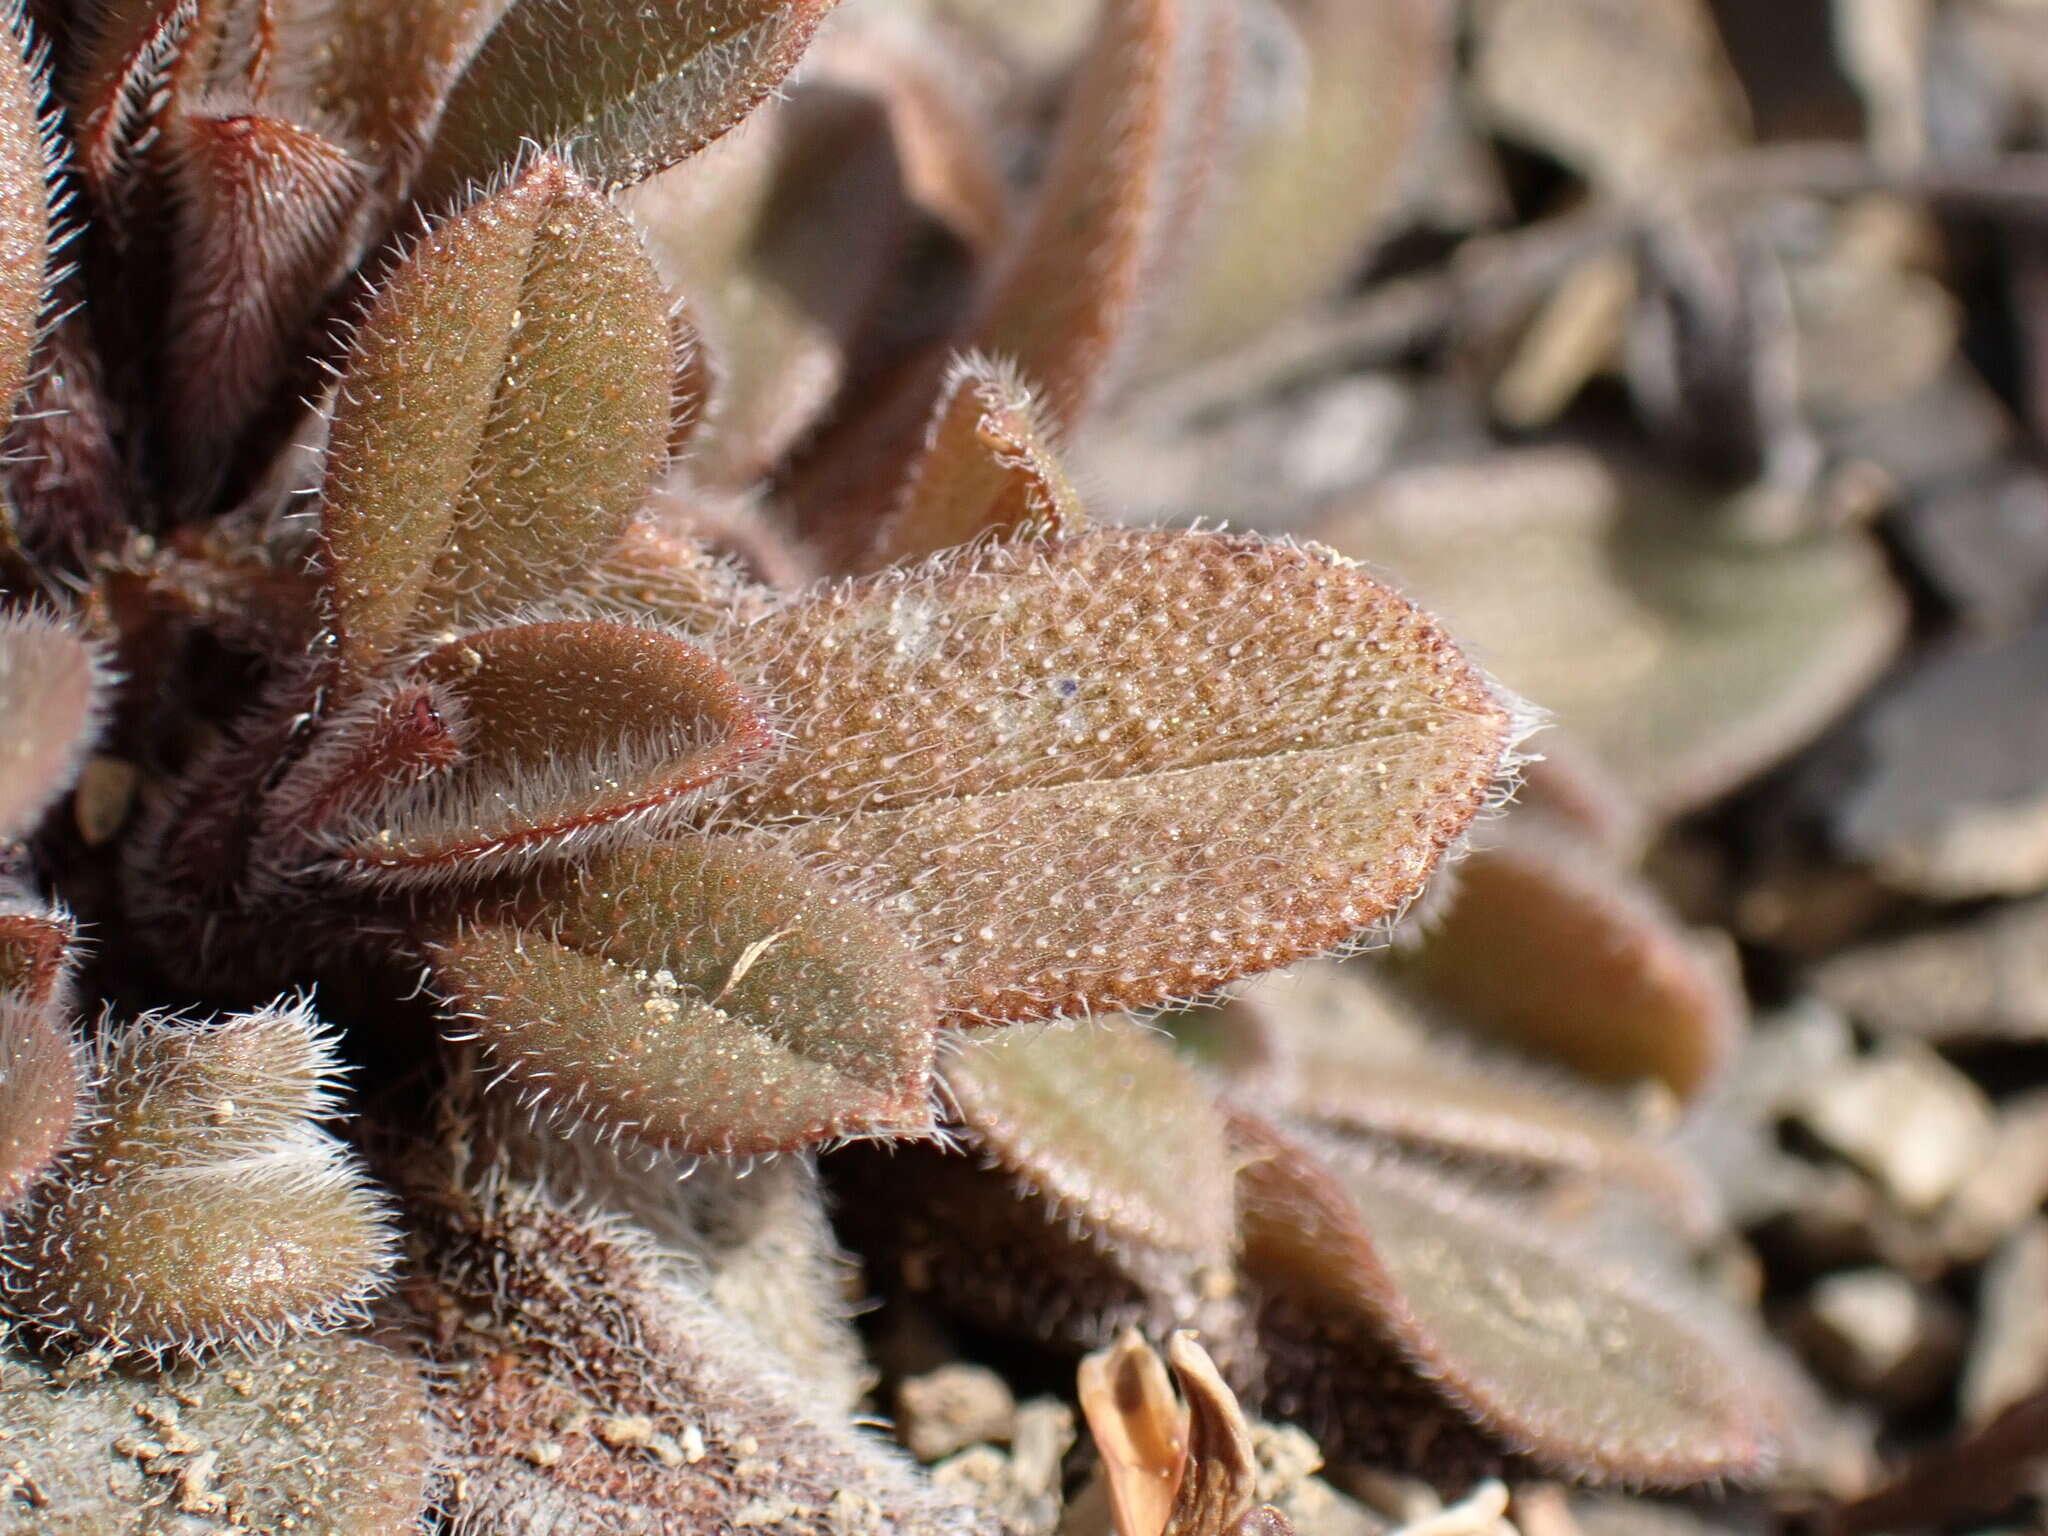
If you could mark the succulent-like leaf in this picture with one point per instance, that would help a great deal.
(1339, 94)
(50, 701)
(318, 1434)
(1581, 1369)
(504, 407)
(39, 1091)
(595, 1389)
(1546, 947)
(621, 88)
(27, 211)
(989, 467)
(263, 208)
(1684, 657)
(1122, 767)
(1122, 184)
(203, 1204)
(702, 996)
(516, 740)
(1110, 1130)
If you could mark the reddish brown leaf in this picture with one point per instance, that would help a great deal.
(1585, 1371)
(702, 997)
(1109, 1129)
(39, 1088)
(1119, 768)
(504, 408)
(381, 67)
(127, 58)
(517, 741)
(1545, 947)
(264, 207)
(622, 88)
(989, 467)
(35, 946)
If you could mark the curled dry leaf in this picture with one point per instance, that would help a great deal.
(1580, 1369)
(705, 996)
(332, 1430)
(50, 699)
(1120, 768)
(989, 468)
(26, 208)
(202, 1204)
(504, 407)
(516, 741)
(1547, 947)
(1685, 658)
(593, 1388)
(622, 88)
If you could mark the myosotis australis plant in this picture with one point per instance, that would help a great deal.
(387, 526)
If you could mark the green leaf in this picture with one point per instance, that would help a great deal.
(203, 1204)
(322, 1434)
(1120, 768)
(503, 409)
(621, 87)
(702, 996)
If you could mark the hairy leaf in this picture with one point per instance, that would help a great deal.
(595, 1389)
(26, 208)
(35, 946)
(50, 699)
(379, 66)
(1586, 1371)
(39, 1090)
(1108, 1128)
(989, 467)
(263, 209)
(515, 741)
(1119, 768)
(504, 407)
(319, 1434)
(622, 88)
(701, 996)
(1545, 947)
(122, 83)
(1121, 188)
(203, 1203)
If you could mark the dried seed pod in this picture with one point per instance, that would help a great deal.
(1435, 1297)
(702, 996)
(1120, 768)
(202, 1204)
(51, 688)
(1546, 947)
(27, 209)
(331, 1431)
(504, 407)
(594, 1388)
(989, 468)
(513, 742)
(621, 88)
(1108, 1128)
(1140, 1432)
